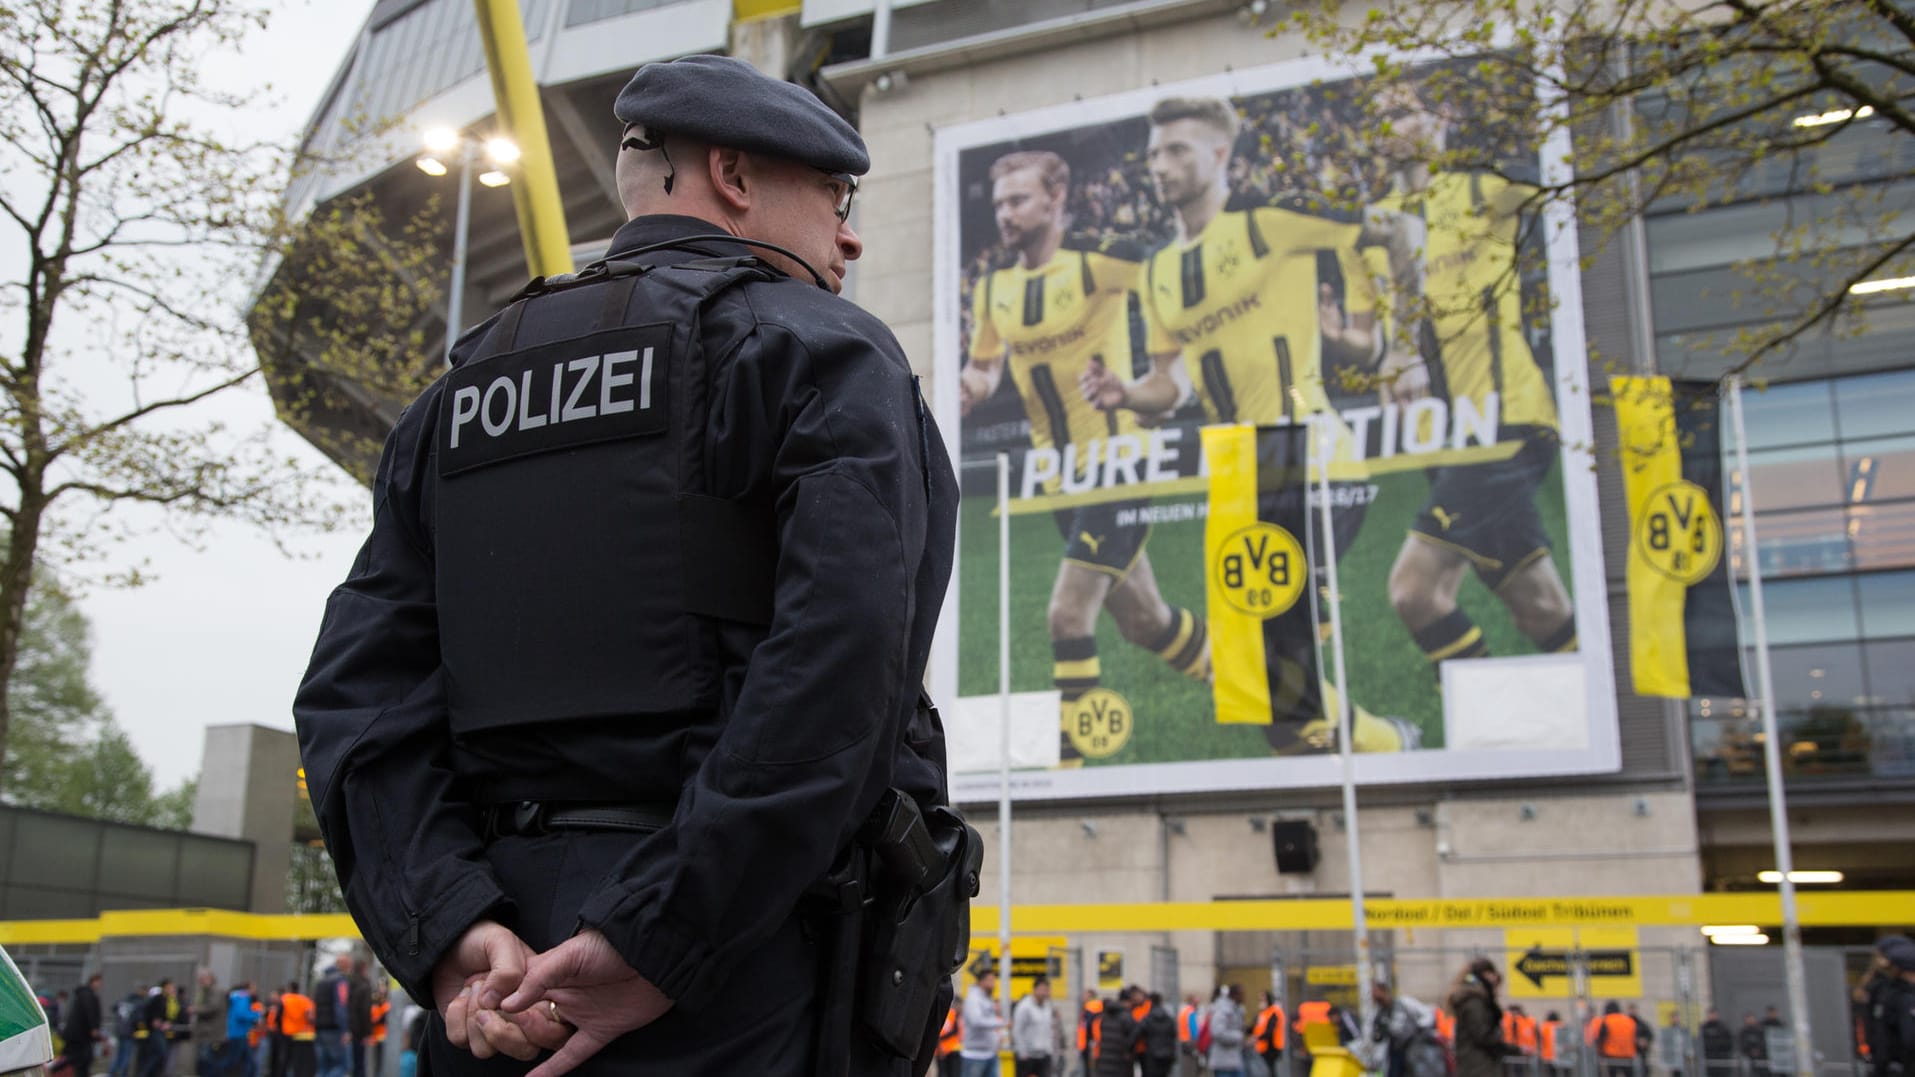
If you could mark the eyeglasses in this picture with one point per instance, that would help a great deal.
(849, 185)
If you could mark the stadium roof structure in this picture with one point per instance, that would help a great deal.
(417, 65)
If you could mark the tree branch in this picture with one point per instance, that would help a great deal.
(1829, 304)
(87, 437)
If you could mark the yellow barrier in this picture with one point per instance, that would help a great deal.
(1877, 908)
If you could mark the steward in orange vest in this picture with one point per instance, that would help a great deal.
(1613, 1035)
(1312, 1013)
(1551, 1039)
(950, 1041)
(296, 1024)
(1445, 1027)
(1087, 1031)
(1266, 1037)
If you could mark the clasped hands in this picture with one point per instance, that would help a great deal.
(497, 996)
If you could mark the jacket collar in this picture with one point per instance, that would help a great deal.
(664, 227)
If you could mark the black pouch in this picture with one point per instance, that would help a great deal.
(917, 939)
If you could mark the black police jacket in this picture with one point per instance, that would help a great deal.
(813, 412)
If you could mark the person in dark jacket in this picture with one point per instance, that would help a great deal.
(606, 814)
(156, 1024)
(1752, 1044)
(1480, 1048)
(1158, 1030)
(84, 1026)
(1117, 1038)
(1872, 997)
(1718, 1046)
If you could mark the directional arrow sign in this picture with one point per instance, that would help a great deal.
(1540, 961)
(1538, 964)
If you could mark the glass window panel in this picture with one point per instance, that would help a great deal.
(1792, 414)
(1876, 404)
(48, 903)
(1818, 676)
(1880, 469)
(53, 851)
(215, 873)
(1823, 740)
(1726, 747)
(1797, 478)
(1891, 671)
(1892, 742)
(1882, 536)
(1809, 543)
(1888, 603)
(139, 863)
(1805, 611)
(1882, 344)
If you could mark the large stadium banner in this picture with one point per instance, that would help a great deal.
(1118, 277)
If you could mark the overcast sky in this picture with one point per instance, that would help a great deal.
(223, 635)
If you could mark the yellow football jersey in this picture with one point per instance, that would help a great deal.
(1052, 322)
(1478, 344)
(1239, 302)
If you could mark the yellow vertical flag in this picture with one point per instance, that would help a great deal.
(1682, 626)
(1263, 634)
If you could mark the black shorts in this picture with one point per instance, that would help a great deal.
(1094, 539)
(1487, 512)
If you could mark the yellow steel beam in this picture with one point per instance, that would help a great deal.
(548, 246)
(1834, 909)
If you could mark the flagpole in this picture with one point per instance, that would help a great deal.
(1004, 729)
(1772, 753)
(1324, 442)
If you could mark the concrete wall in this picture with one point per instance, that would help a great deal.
(247, 790)
(1566, 844)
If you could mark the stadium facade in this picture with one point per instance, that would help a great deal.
(1657, 797)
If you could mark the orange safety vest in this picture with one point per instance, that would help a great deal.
(1445, 1027)
(296, 1016)
(1183, 1022)
(1311, 1013)
(1087, 1030)
(1137, 1014)
(379, 1012)
(1526, 1033)
(1614, 1035)
(1268, 1035)
(951, 1036)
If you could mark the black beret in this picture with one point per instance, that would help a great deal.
(727, 102)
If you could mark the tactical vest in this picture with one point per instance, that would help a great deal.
(577, 550)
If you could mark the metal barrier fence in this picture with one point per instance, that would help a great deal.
(1669, 990)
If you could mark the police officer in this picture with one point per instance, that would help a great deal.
(635, 644)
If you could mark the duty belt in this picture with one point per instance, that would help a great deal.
(528, 818)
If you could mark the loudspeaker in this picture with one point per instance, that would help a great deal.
(1296, 846)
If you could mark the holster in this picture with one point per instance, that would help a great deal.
(918, 923)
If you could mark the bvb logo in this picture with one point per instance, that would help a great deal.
(1098, 722)
(1261, 570)
(1679, 534)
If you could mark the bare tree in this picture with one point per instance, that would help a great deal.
(136, 231)
(1800, 105)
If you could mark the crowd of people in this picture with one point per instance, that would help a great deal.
(1470, 1033)
(337, 1028)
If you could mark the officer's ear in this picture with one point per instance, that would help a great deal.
(728, 168)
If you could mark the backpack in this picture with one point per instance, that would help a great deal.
(126, 1017)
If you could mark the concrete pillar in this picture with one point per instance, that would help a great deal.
(248, 790)
(766, 43)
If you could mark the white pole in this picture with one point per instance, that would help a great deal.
(1325, 442)
(1004, 729)
(455, 294)
(1772, 754)
(881, 29)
